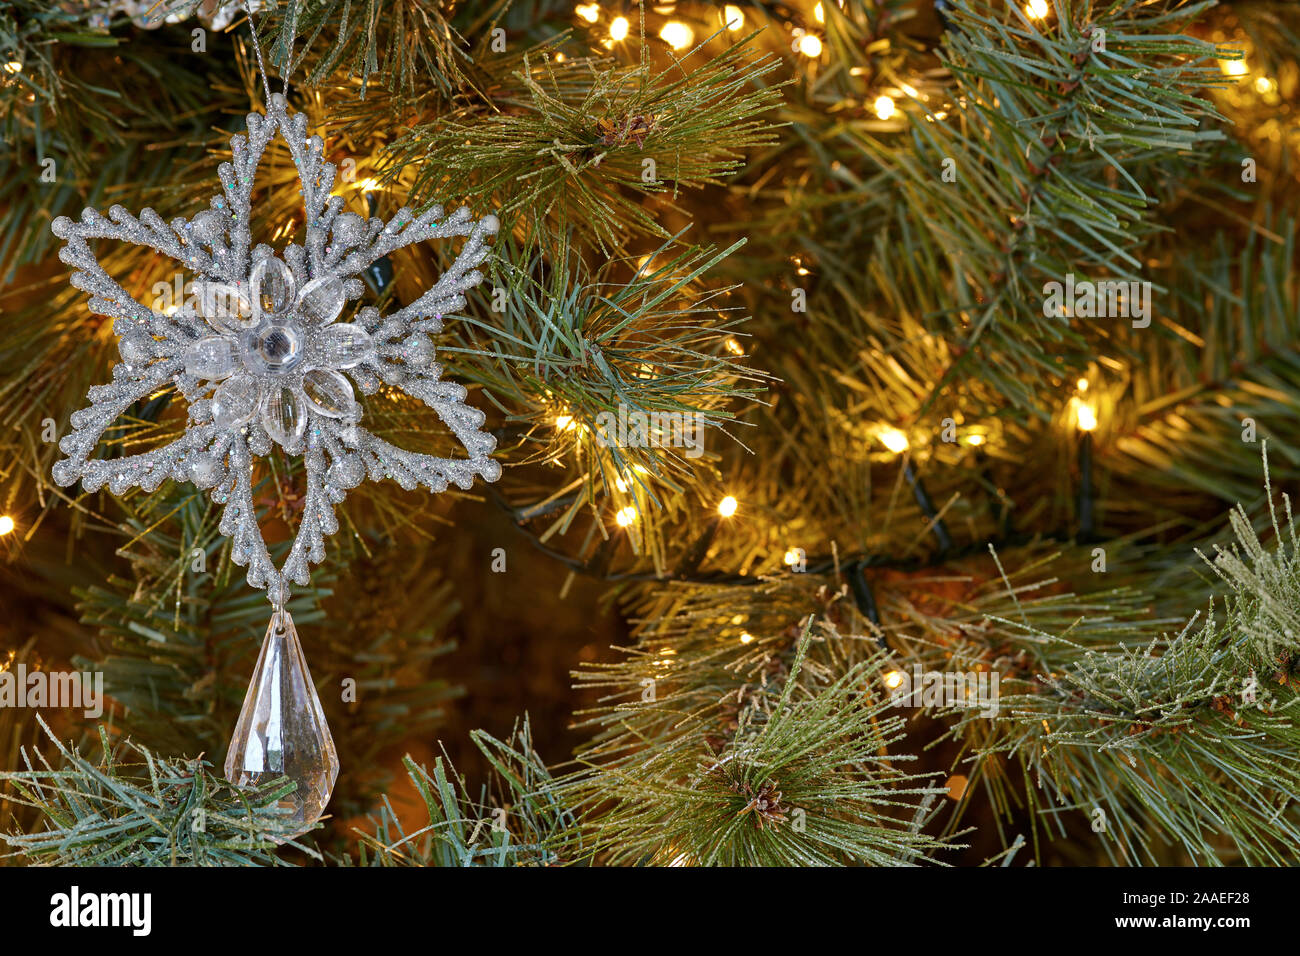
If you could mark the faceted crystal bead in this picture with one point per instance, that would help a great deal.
(330, 393)
(273, 286)
(225, 309)
(234, 402)
(282, 729)
(272, 347)
(284, 414)
(211, 358)
(346, 346)
(321, 300)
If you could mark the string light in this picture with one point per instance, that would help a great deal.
(733, 17)
(677, 34)
(894, 679)
(819, 13)
(1085, 415)
(564, 422)
(975, 439)
(734, 347)
(810, 45)
(14, 66)
(6, 524)
(699, 548)
(896, 442)
(885, 106)
(746, 637)
(1234, 67)
(791, 556)
(625, 517)
(893, 439)
(621, 485)
(618, 29)
(1085, 419)
(1264, 84)
(1037, 9)
(588, 11)
(1085, 412)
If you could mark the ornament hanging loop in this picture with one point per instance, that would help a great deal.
(257, 50)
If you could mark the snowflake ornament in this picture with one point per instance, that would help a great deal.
(260, 356)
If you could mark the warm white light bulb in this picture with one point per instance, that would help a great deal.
(733, 17)
(1037, 9)
(6, 524)
(894, 440)
(588, 11)
(727, 506)
(885, 106)
(810, 45)
(625, 516)
(1085, 415)
(618, 28)
(677, 34)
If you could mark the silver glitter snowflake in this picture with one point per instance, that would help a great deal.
(258, 353)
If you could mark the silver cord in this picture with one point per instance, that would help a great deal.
(257, 49)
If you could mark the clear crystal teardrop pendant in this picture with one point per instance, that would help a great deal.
(282, 729)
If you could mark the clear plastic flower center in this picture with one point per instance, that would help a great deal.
(272, 348)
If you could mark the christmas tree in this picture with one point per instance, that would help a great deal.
(829, 433)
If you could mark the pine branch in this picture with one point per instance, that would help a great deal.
(748, 752)
(572, 356)
(518, 819)
(1188, 741)
(585, 141)
(132, 808)
(1051, 130)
